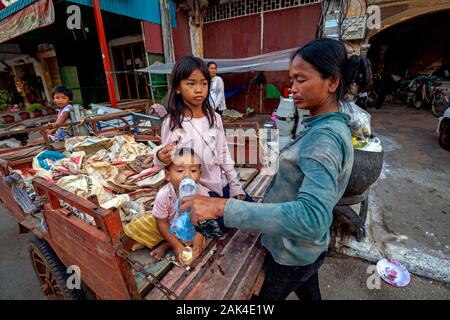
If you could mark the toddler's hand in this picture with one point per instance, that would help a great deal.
(198, 244)
(178, 251)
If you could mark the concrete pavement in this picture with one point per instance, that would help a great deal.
(17, 277)
(408, 217)
(345, 278)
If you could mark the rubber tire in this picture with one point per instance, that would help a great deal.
(372, 99)
(444, 136)
(56, 267)
(438, 107)
(417, 101)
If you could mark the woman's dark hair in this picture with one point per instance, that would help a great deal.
(211, 63)
(182, 70)
(329, 57)
(65, 91)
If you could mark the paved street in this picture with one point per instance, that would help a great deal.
(409, 204)
(17, 278)
(345, 278)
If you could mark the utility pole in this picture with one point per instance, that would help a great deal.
(195, 29)
(169, 54)
(105, 56)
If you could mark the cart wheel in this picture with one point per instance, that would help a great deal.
(51, 272)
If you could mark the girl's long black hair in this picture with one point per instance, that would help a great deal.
(329, 57)
(176, 106)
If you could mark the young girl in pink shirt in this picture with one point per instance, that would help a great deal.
(192, 123)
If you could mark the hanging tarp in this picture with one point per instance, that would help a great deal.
(37, 15)
(273, 61)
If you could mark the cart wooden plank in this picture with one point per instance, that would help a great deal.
(220, 272)
(79, 243)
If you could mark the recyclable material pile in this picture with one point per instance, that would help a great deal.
(114, 172)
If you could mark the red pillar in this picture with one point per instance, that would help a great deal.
(105, 56)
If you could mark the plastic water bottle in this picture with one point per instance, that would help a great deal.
(187, 188)
(181, 225)
(209, 228)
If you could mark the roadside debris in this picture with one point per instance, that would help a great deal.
(393, 272)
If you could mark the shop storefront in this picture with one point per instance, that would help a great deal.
(58, 43)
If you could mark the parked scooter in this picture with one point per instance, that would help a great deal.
(385, 84)
(362, 100)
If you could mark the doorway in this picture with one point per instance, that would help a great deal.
(127, 59)
(29, 83)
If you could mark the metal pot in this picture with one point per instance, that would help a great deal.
(366, 170)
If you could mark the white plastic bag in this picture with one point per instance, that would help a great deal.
(359, 120)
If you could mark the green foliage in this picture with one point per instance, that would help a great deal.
(5, 98)
(33, 107)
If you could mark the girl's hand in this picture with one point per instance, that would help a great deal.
(198, 244)
(165, 155)
(240, 197)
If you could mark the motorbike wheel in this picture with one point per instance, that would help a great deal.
(362, 103)
(444, 137)
(372, 99)
(439, 104)
(417, 100)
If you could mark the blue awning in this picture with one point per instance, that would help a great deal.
(15, 7)
(146, 10)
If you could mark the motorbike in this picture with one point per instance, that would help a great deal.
(392, 88)
(362, 99)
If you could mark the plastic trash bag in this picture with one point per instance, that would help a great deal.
(359, 120)
(46, 159)
(209, 228)
(182, 226)
(374, 145)
(10, 143)
(19, 194)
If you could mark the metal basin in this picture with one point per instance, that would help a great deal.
(366, 170)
